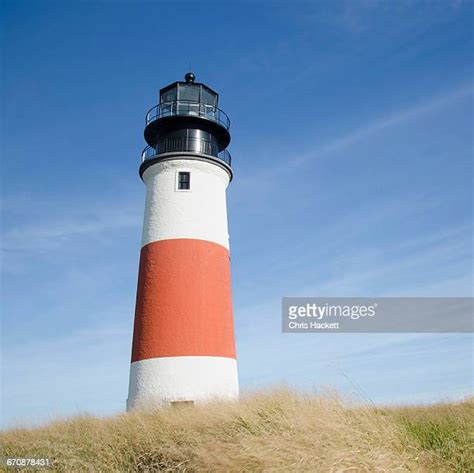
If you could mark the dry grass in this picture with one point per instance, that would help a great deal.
(278, 431)
(443, 435)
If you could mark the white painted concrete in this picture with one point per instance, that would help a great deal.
(199, 213)
(159, 381)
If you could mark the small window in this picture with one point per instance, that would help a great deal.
(184, 180)
(182, 403)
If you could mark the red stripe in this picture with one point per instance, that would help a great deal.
(184, 305)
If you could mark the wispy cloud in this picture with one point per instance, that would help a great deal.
(361, 134)
(89, 370)
(357, 17)
(392, 120)
(58, 228)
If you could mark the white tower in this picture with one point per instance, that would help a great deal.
(183, 340)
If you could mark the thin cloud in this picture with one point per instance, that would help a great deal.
(46, 236)
(359, 135)
(392, 120)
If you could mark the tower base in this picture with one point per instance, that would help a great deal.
(163, 381)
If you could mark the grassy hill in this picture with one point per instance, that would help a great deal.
(276, 431)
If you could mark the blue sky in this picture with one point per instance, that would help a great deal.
(352, 152)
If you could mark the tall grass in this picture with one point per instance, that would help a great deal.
(277, 431)
(442, 434)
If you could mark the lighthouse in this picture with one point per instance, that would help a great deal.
(183, 348)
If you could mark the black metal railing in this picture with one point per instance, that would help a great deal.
(189, 145)
(189, 108)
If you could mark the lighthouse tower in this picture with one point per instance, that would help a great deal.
(183, 347)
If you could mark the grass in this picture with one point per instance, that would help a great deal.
(276, 431)
(443, 434)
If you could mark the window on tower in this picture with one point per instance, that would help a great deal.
(184, 180)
